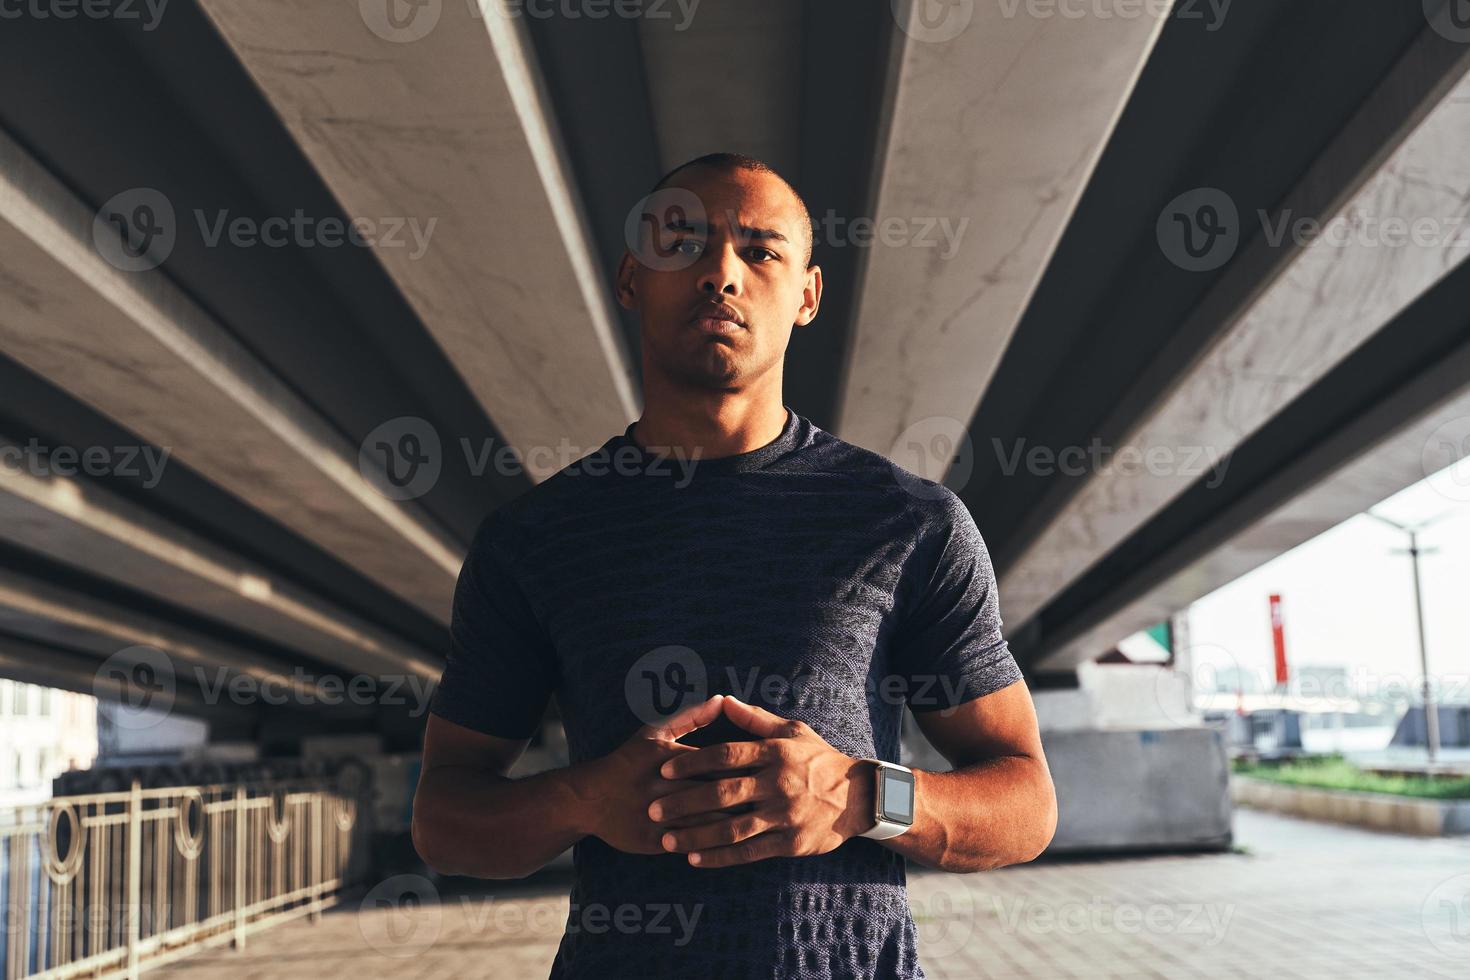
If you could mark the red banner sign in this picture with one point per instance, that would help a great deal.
(1278, 636)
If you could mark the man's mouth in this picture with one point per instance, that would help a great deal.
(719, 320)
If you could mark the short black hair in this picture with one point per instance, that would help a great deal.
(739, 161)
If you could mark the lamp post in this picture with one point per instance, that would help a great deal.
(1431, 711)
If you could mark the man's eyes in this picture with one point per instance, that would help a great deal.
(690, 246)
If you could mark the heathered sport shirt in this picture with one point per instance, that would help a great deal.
(808, 576)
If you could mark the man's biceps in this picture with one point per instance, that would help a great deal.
(1002, 722)
(448, 744)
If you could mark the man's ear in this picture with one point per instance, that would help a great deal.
(811, 296)
(627, 295)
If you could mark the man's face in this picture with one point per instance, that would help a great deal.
(738, 254)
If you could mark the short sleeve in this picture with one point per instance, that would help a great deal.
(949, 647)
(500, 672)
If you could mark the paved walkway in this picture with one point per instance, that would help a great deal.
(1299, 900)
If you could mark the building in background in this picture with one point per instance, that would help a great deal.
(44, 732)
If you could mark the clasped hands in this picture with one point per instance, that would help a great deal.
(787, 793)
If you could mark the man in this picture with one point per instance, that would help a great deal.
(733, 607)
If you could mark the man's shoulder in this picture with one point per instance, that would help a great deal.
(507, 524)
(928, 501)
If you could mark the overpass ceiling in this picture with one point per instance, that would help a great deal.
(1051, 144)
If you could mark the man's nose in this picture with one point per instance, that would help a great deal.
(721, 274)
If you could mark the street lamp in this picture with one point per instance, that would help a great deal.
(1431, 711)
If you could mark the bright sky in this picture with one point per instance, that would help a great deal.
(1348, 599)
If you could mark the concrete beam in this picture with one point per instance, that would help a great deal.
(1325, 299)
(446, 120)
(35, 663)
(1368, 466)
(45, 613)
(135, 347)
(990, 136)
(81, 524)
(689, 67)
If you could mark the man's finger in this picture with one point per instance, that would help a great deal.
(716, 758)
(756, 720)
(692, 718)
(772, 843)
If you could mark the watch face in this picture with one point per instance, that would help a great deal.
(897, 796)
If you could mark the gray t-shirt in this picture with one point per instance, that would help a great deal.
(810, 577)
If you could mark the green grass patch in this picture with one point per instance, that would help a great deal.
(1335, 772)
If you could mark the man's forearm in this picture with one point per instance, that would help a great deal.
(987, 815)
(474, 822)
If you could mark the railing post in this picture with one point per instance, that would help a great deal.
(315, 875)
(135, 875)
(239, 867)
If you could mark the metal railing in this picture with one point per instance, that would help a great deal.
(109, 884)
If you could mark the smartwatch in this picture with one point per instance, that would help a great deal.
(893, 800)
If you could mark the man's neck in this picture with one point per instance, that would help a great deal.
(726, 427)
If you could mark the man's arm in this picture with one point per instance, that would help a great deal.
(997, 808)
(998, 805)
(470, 818)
